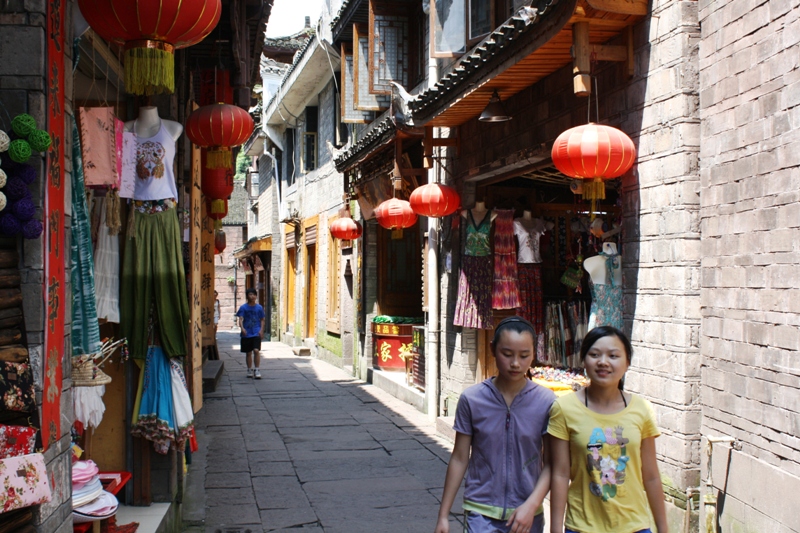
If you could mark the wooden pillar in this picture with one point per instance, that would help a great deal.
(581, 66)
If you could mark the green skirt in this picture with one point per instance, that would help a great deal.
(153, 277)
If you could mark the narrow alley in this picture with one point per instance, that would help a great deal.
(310, 448)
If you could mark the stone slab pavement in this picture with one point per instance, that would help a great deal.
(310, 448)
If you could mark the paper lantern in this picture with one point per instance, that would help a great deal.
(151, 32)
(395, 214)
(218, 127)
(593, 152)
(220, 241)
(218, 215)
(346, 228)
(434, 200)
(217, 185)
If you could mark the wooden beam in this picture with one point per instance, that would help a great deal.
(581, 64)
(629, 49)
(407, 172)
(624, 7)
(608, 24)
(427, 146)
(603, 52)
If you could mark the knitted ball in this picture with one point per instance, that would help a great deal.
(2, 201)
(23, 209)
(7, 163)
(4, 141)
(3, 178)
(9, 225)
(26, 173)
(39, 140)
(32, 229)
(16, 189)
(19, 150)
(23, 124)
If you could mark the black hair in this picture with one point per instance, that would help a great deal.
(607, 331)
(513, 323)
(251, 290)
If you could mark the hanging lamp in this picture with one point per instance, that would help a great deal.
(150, 33)
(218, 127)
(346, 229)
(216, 184)
(434, 200)
(394, 214)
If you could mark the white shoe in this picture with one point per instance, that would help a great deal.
(249, 372)
(257, 374)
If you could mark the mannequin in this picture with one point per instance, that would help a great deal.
(148, 123)
(528, 231)
(598, 270)
(478, 212)
(605, 275)
(155, 153)
(473, 308)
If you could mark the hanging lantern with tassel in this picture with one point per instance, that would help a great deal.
(434, 200)
(593, 152)
(217, 186)
(218, 127)
(218, 215)
(396, 215)
(346, 229)
(150, 33)
(220, 241)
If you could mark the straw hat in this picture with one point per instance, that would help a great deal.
(86, 374)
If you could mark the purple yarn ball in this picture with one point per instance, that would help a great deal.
(32, 229)
(23, 209)
(26, 173)
(9, 225)
(16, 189)
(8, 164)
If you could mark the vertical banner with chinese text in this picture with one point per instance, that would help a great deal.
(55, 345)
(195, 246)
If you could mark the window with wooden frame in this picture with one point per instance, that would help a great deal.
(334, 261)
(389, 46)
(364, 99)
(309, 159)
(349, 113)
(480, 19)
(448, 28)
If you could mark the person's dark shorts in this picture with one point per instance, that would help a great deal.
(250, 343)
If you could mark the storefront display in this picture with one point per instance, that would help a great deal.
(505, 290)
(605, 275)
(474, 305)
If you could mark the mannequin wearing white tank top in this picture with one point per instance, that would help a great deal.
(155, 139)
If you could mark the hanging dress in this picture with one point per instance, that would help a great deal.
(473, 307)
(606, 298)
(106, 269)
(505, 294)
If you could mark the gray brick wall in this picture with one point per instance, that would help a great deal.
(750, 220)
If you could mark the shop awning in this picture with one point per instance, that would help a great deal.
(526, 48)
(256, 244)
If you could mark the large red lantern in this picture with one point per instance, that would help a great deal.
(217, 185)
(395, 214)
(594, 152)
(218, 127)
(220, 241)
(346, 228)
(151, 31)
(434, 200)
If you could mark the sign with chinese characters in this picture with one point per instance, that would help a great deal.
(391, 352)
(195, 251)
(55, 344)
(207, 280)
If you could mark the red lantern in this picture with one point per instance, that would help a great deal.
(434, 200)
(217, 185)
(217, 214)
(151, 32)
(219, 241)
(395, 214)
(595, 152)
(346, 228)
(218, 127)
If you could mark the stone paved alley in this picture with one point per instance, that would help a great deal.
(309, 448)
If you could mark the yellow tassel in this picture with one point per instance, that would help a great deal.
(217, 225)
(397, 234)
(149, 71)
(218, 158)
(594, 190)
(217, 206)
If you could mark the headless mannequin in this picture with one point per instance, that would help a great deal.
(538, 224)
(148, 123)
(478, 213)
(597, 269)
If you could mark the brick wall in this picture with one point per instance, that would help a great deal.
(750, 220)
(22, 90)
(230, 294)
(657, 108)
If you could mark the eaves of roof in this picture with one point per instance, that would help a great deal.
(484, 57)
(380, 133)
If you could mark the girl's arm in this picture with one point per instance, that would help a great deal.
(521, 519)
(652, 483)
(456, 468)
(559, 484)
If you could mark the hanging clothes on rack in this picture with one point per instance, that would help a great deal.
(505, 294)
(473, 307)
(106, 265)
(606, 297)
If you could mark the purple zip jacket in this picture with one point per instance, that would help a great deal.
(506, 457)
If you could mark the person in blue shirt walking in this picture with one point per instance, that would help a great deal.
(251, 323)
(501, 435)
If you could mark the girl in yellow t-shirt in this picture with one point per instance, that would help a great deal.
(604, 469)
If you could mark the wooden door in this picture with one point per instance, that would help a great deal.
(291, 274)
(311, 284)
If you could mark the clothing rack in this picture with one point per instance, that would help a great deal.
(566, 324)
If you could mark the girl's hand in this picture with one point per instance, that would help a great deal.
(443, 525)
(521, 519)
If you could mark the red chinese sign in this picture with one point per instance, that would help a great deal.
(55, 253)
(391, 352)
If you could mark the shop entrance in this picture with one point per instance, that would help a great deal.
(400, 272)
(311, 284)
(291, 274)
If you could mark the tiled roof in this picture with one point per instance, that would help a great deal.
(298, 57)
(290, 42)
(484, 52)
(381, 131)
(237, 206)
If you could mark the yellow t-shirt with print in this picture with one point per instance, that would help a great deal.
(606, 492)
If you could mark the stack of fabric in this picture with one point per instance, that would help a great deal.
(89, 501)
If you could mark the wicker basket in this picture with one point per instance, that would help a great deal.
(86, 374)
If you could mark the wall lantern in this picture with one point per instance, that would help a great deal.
(495, 110)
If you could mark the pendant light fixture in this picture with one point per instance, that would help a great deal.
(495, 110)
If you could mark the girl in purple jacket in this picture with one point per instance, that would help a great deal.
(501, 442)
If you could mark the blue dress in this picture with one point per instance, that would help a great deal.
(606, 298)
